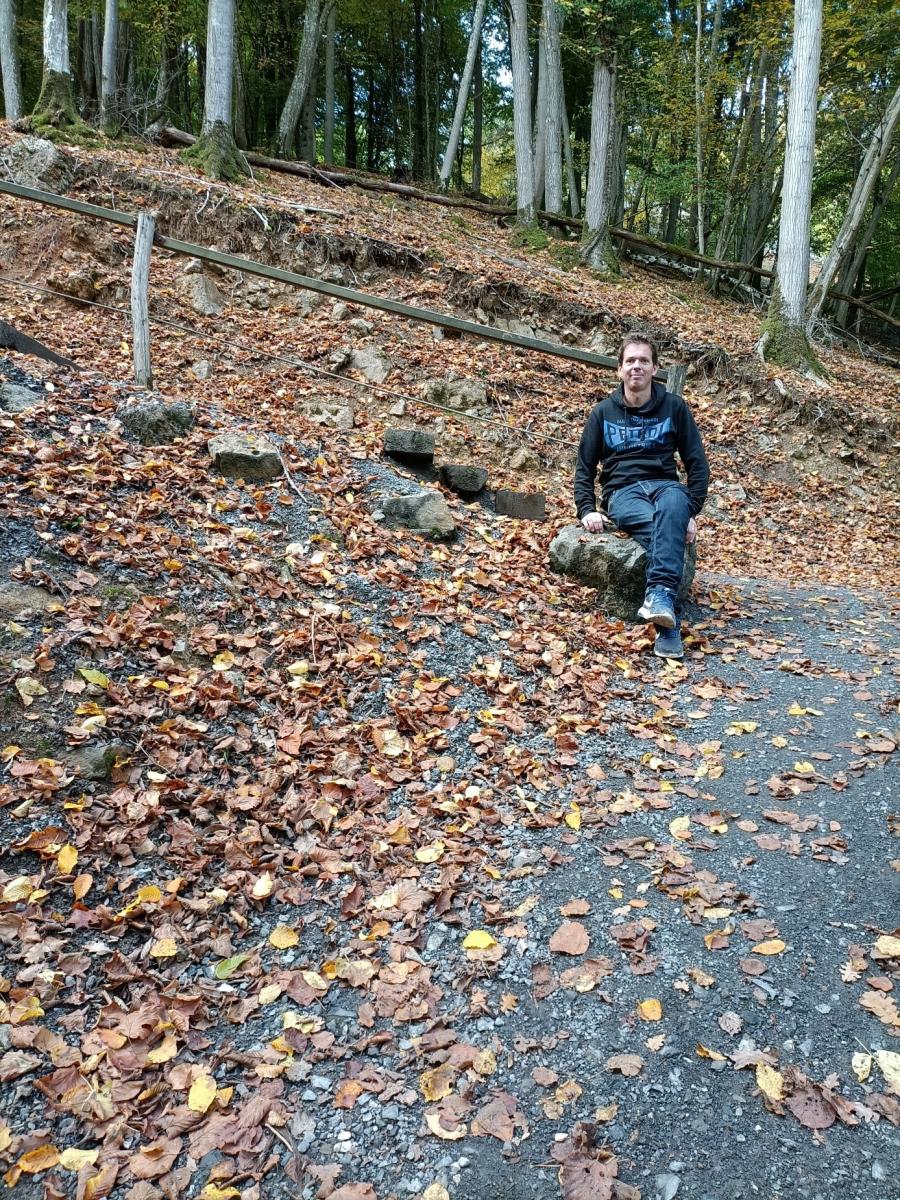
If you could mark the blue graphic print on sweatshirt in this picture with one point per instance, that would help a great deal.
(642, 431)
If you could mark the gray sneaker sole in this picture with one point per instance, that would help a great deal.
(664, 620)
(662, 653)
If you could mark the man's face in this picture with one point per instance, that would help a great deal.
(636, 368)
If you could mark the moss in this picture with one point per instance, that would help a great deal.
(566, 255)
(55, 112)
(216, 153)
(598, 252)
(529, 237)
(784, 342)
(458, 221)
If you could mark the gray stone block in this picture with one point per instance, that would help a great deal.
(613, 564)
(527, 506)
(424, 512)
(409, 445)
(245, 456)
(14, 398)
(153, 422)
(463, 479)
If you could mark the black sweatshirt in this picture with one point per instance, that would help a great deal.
(632, 444)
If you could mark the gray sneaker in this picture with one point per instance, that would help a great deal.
(659, 608)
(668, 644)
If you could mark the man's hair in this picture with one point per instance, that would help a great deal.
(641, 338)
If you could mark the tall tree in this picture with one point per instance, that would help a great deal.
(216, 150)
(462, 98)
(330, 32)
(56, 103)
(9, 61)
(870, 171)
(110, 68)
(315, 13)
(552, 66)
(517, 12)
(784, 336)
(597, 248)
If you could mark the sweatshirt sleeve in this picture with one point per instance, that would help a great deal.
(692, 454)
(589, 450)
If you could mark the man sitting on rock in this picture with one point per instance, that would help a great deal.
(633, 435)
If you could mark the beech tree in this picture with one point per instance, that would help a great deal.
(315, 13)
(110, 68)
(597, 248)
(56, 103)
(517, 12)
(9, 61)
(216, 150)
(462, 99)
(784, 337)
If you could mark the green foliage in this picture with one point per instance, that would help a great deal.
(529, 237)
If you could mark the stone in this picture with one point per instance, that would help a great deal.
(523, 459)
(465, 395)
(154, 422)
(14, 398)
(95, 762)
(201, 370)
(372, 363)
(409, 445)
(18, 598)
(615, 565)
(247, 456)
(463, 479)
(202, 294)
(80, 284)
(424, 512)
(528, 506)
(360, 325)
(37, 163)
(340, 311)
(331, 413)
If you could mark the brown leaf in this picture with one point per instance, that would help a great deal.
(882, 1006)
(731, 1023)
(575, 908)
(625, 1064)
(570, 938)
(155, 1159)
(493, 1120)
(810, 1108)
(544, 1076)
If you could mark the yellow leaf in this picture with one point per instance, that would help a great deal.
(775, 946)
(438, 1082)
(164, 1052)
(485, 1062)
(5, 1137)
(283, 937)
(25, 1010)
(679, 827)
(705, 1052)
(738, 727)
(479, 939)
(770, 1081)
(202, 1093)
(263, 886)
(149, 894)
(862, 1065)
(573, 817)
(66, 859)
(74, 1159)
(887, 946)
(213, 1192)
(433, 1121)
(269, 994)
(41, 1158)
(889, 1065)
(314, 980)
(164, 948)
(804, 768)
(716, 914)
(223, 661)
(435, 1191)
(779, 742)
(430, 854)
(95, 677)
(19, 888)
(650, 1010)
(28, 688)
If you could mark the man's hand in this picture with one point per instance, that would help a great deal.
(691, 535)
(593, 522)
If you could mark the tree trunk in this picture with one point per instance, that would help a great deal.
(701, 108)
(110, 68)
(477, 122)
(330, 32)
(539, 117)
(552, 66)
(56, 104)
(873, 162)
(215, 150)
(370, 119)
(166, 85)
(293, 106)
(309, 119)
(521, 76)
(597, 249)
(784, 337)
(855, 269)
(9, 61)
(351, 149)
(462, 98)
(241, 136)
(419, 116)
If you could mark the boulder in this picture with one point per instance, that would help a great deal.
(17, 599)
(96, 761)
(613, 564)
(201, 370)
(202, 294)
(410, 445)
(425, 512)
(373, 364)
(245, 456)
(331, 413)
(465, 395)
(153, 422)
(523, 459)
(463, 479)
(37, 163)
(14, 398)
(527, 506)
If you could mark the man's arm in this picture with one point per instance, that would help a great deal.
(589, 449)
(692, 454)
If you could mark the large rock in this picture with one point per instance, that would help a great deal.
(202, 294)
(410, 445)
(527, 506)
(245, 456)
(615, 565)
(425, 512)
(464, 479)
(466, 395)
(14, 398)
(332, 413)
(372, 363)
(37, 163)
(96, 761)
(153, 422)
(18, 599)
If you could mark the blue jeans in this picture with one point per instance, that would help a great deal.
(655, 512)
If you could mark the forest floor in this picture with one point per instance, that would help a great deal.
(342, 863)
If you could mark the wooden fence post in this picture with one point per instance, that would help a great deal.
(675, 377)
(140, 313)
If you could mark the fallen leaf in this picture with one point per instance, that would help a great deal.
(164, 948)
(862, 1066)
(625, 1064)
(570, 938)
(73, 1159)
(433, 1121)
(41, 1158)
(889, 1065)
(774, 946)
(770, 1081)
(479, 939)
(227, 967)
(438, 1082)
(887, 946)
(283, 937)
(67, 859)
(650, 1010)
(202, 1093)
